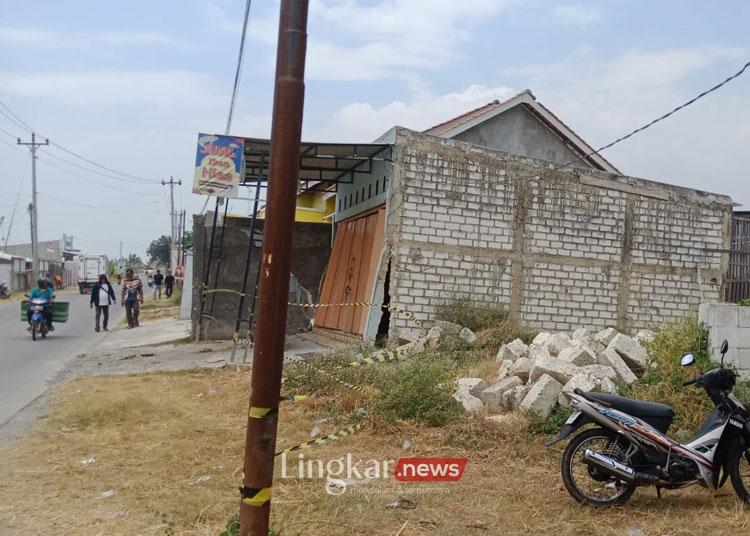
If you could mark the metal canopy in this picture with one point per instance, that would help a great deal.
(326, 164)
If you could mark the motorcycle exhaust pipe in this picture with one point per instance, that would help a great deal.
(609, 465)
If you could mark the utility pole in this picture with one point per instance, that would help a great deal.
(286, 130)
(32, 145)
(171, 182)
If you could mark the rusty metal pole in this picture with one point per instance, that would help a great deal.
(268, 355)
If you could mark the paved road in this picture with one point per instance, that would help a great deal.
(27, 366)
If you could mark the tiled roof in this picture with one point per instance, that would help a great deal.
(457, 121)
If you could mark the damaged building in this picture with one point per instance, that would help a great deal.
(485, 207)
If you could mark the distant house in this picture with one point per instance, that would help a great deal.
(523, 126)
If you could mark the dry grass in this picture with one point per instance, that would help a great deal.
(154, 436)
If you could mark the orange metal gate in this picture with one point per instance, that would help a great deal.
(351, 272)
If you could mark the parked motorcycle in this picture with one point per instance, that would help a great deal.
(39, 326)
(4, 291)
(629, 447)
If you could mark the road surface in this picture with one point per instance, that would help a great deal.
(26, 366)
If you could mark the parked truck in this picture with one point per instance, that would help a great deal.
(89, 269)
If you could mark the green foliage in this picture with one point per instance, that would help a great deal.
(418, 390)
(551, 424)
(744, 303)
(133, 261)
(232, 528)
(475, 316)
(187, 241)
(662, 382)
(159, 249)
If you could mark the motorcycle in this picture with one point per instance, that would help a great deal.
(629, 447)
(4, 292)
(39, 326)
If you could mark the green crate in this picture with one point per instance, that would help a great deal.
(60, 311)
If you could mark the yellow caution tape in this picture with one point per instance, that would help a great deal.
(349, 430)
(357, 388)
(261, 497)
(259, 413)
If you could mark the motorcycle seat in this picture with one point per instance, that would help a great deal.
(636, 408)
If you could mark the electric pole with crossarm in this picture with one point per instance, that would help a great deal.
(33, 145)
(173, 247)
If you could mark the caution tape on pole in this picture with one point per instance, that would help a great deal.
(339, 434)
(255, 496)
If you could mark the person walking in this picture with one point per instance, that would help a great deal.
(131, 295)
(158, 280)
(102, 296)
(169, 283)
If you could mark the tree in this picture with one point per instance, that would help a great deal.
(133, 261)
(187, 241)
(159, 249)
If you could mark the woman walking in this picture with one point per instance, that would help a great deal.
(102, 296)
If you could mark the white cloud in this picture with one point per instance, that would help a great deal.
(38, 38)
(363, 122)
(577, 15)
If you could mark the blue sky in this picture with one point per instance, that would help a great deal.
(130, 85)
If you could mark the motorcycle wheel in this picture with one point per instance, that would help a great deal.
(587, 484)
(739, 472)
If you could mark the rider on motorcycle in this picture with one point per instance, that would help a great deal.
(44, 291)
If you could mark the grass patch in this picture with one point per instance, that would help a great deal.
(662, 382)
(551, 424)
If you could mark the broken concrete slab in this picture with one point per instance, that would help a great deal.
(577, 355)
(512, 351)
(611, 358)
(599, 372)
(469, 402)
(542, 397)
(606, 335)
(631, 351)
(492, 396)
(512, 398)
(504, 370)
(607, 386)
(645, 336)
(559, 370)
(558, 342)
(521, 368)
(584, 382)
(541, 338)
(473, 386)
(581, 334)
(468, 336)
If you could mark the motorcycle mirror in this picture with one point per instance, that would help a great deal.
(724, 347)
(687, 360)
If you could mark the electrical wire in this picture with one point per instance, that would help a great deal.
(13, 117)
(238, 70)
(644, 127)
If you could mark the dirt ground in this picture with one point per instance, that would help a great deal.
(161, 453)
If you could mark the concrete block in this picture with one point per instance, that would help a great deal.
(467, 336)
(605, 336)
(469, 402)
(559, 370)
(492, 396)
(472, 385)
(536, 352)
(558, 342)
(541, 338)
(584, 382)
(599, 372)
(521, 368)
(591, 344)
(630, 350)
(644, 336)
(542, 397)
(612, 359)
(512, 351)
(504, 370)
(512, 398)
(577, 355)
(727, 315)
(607, 386)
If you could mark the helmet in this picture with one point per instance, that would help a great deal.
(41, 282)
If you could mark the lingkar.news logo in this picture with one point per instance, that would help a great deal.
(338, 473)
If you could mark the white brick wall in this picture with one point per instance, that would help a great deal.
(458, 228)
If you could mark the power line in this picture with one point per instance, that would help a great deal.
(92, 181)
(647, 125)
(238, 71)
(21, 123)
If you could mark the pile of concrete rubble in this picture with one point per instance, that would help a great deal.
(533, 378)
